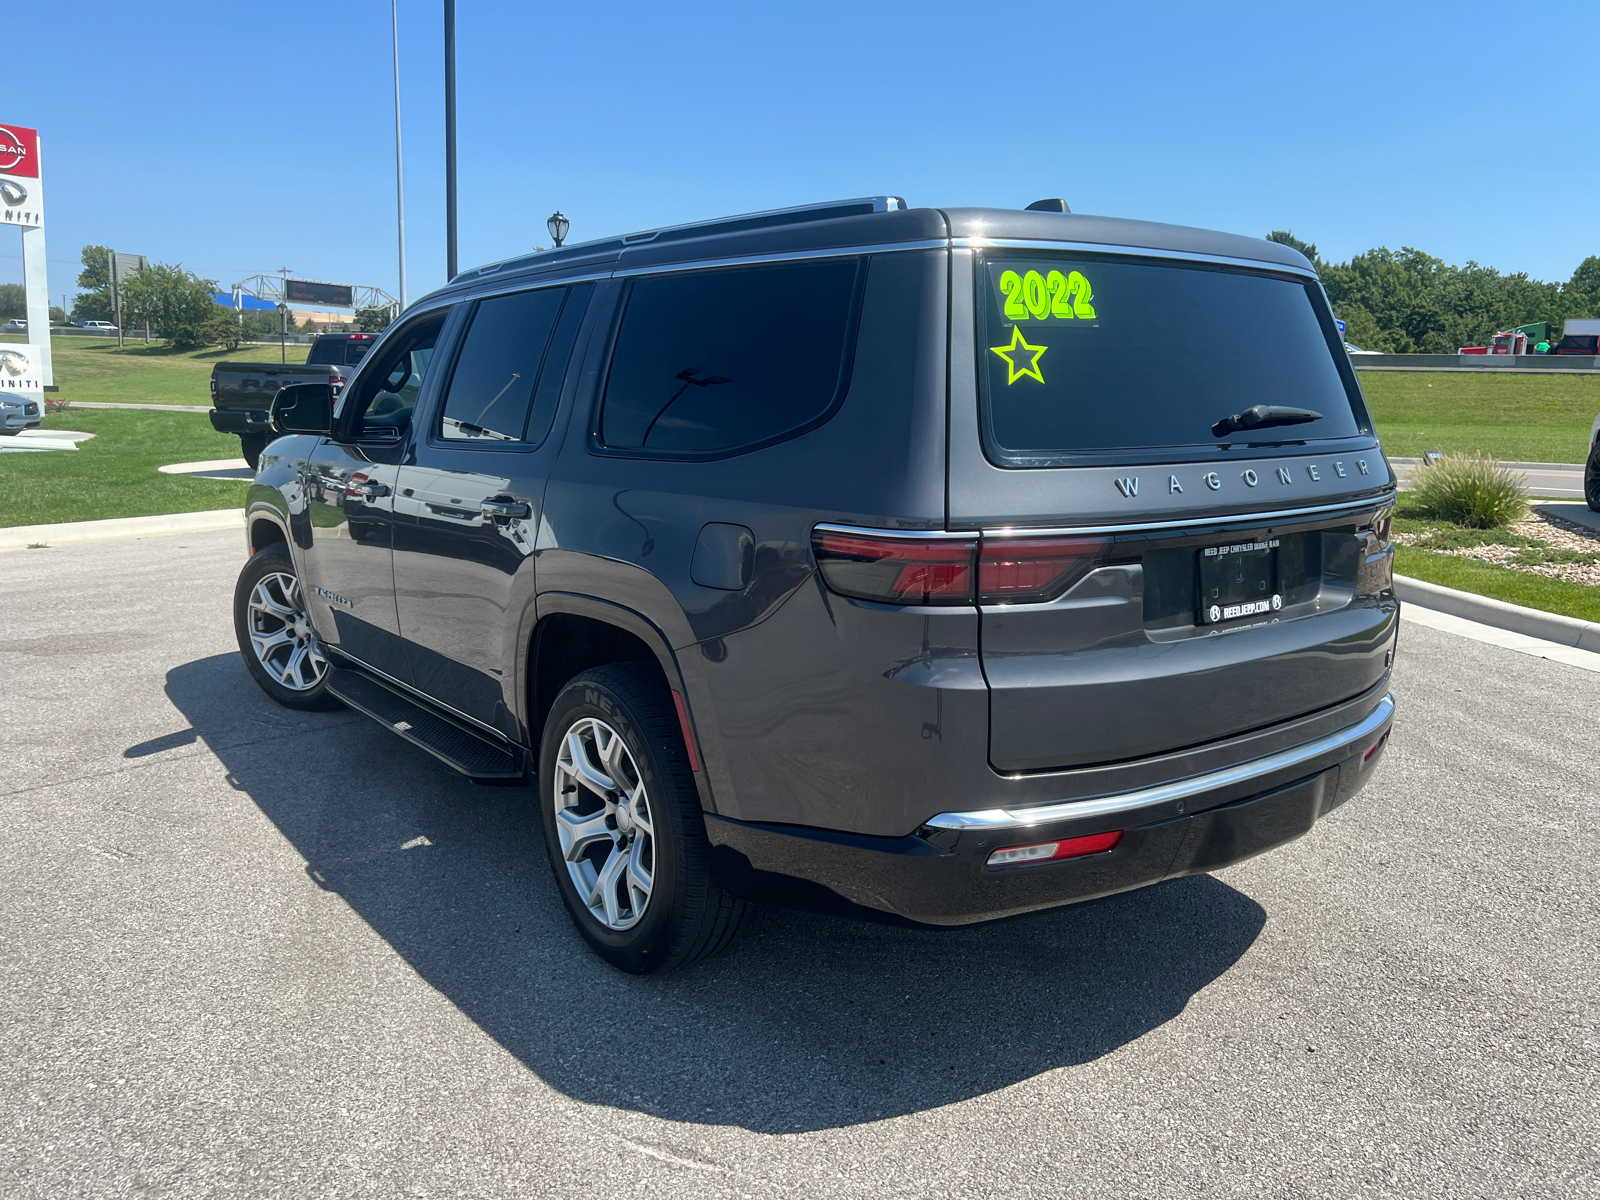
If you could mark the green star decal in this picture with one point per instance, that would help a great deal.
(1014, 372)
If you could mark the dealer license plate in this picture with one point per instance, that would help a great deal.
(1239, 580)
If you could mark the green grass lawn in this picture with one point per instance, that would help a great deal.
(94, 369)
(1515, 418)
(114, 473)
(1500, 583)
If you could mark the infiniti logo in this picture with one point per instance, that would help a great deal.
(12, 192)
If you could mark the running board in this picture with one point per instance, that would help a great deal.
(450, 741)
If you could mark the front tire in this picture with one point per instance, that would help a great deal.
(275, 635)
(1591, 479)
(623, 826)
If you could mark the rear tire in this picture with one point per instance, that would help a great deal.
(275, 636)
(623, 825)
(1591, 479)
(252, 444)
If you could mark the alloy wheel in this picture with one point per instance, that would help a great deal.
(281, 635)
(602, 814)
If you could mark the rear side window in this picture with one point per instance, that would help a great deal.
(507, 378)
(1085, 356)
(714, 362)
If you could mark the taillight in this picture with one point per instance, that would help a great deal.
(895, 570)
(1024, 570)
(213, 383)
(954, 570)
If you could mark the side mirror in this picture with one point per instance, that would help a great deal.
(303, 408)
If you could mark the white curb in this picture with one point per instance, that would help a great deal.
(19, 537)
(1552, 627)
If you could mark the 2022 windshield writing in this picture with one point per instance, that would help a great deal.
(1042, 296)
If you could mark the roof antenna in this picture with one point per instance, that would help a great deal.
(1057, 205)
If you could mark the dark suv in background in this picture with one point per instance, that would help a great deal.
(852, 556)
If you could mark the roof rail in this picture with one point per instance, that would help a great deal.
(826, 211)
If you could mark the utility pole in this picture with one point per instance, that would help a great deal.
(283, 317)
(399, 169)
(116, 296)
(450, 139)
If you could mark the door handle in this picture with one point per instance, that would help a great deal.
(366, 489)
(506, 510)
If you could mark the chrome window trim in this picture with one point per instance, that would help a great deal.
(468, 295)
(982, 243)
(1060, 810)
(743, 260)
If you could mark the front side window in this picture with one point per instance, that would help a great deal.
(1087, 356)
(384, 395)
(507, 378)
(714, 362)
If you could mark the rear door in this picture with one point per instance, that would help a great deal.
(1182, 499)
(467, 505)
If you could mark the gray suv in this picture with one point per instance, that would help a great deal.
(937, 564)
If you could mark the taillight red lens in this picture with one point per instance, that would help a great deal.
(1020, 570)
(895, 570)
(1078, 847)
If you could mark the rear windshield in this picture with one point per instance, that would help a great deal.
(337, 351)
(1083, 355)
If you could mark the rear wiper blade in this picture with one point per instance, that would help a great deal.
(1263, 415)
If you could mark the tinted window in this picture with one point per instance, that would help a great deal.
(325, 352)
(491, 390)
(354, 352)
(714, 361)
(1089, 355)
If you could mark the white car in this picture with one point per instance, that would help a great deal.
(98, 326)
(15, 325)
(1352, 348)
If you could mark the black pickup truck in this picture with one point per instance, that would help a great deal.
(242, 392)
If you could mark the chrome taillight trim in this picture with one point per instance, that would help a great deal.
(1349, 738)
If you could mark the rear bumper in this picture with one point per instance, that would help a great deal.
(939, 875)
(241, 420)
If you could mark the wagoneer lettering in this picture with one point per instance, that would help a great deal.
(770, 556)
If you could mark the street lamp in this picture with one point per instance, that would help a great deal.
(558, 226)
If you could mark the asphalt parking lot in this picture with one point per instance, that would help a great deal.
(253, 952)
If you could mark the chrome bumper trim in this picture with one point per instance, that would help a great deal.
(1038, 814)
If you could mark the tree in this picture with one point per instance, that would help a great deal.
(178, 305)
(58, 315)
(96, 273)
(373, 320)
(13, 301)
(1582, 291)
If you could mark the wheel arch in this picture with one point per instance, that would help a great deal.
(570, 633)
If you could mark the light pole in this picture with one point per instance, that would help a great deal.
(450, 139)
(399, 170)
(558, 226)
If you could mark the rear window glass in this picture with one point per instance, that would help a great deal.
(1091, 355)
(354, 352)
(712, 362)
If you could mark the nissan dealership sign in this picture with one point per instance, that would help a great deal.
(22, 205)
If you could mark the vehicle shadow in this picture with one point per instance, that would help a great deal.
(810, 1022)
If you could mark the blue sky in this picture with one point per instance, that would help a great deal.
(237, 138)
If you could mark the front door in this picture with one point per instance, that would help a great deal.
(467, 501)
(349, 488)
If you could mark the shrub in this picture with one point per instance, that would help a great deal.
(1470, 490)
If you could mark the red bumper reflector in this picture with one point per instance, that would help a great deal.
(1094, 843)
